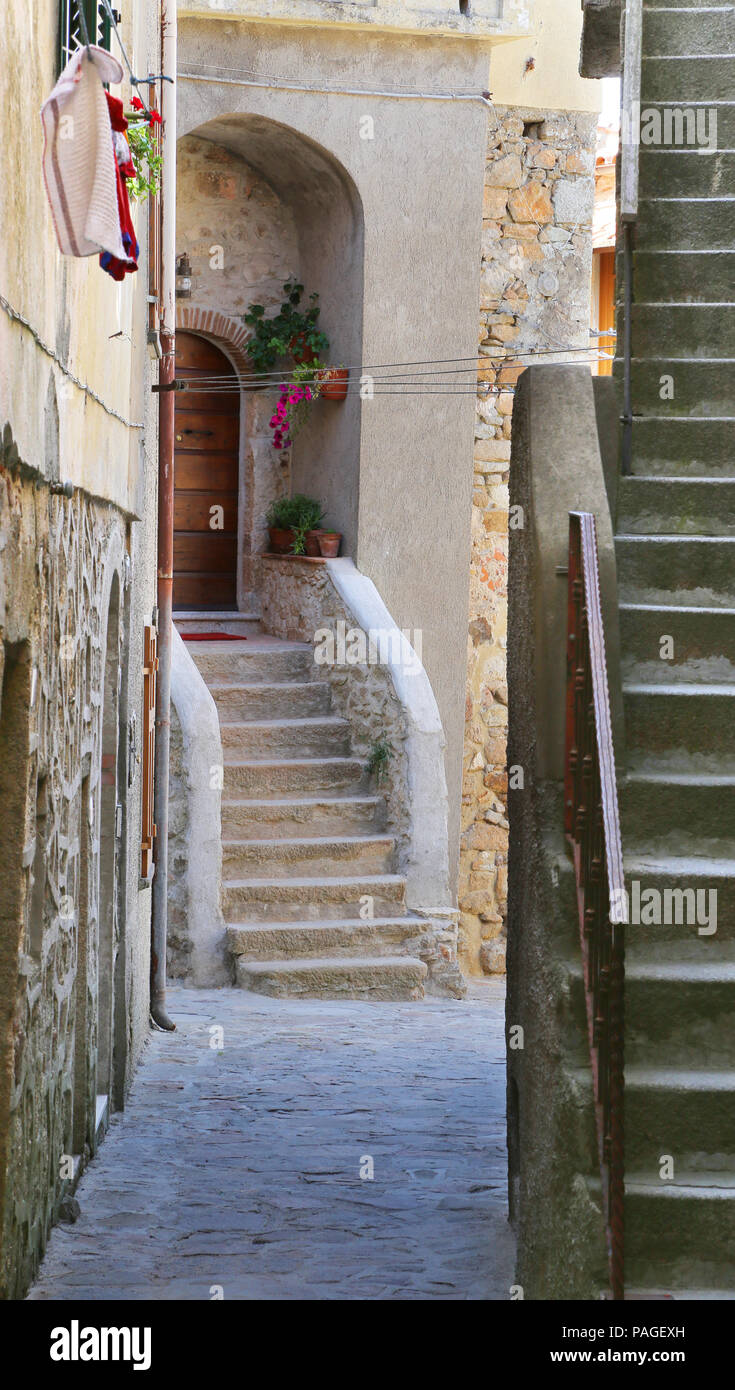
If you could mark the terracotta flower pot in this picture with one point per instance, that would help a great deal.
(311, 543)
(333, 383)
(281, 540)
(329, 543)
(300, 350)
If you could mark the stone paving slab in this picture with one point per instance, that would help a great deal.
(240, 1168)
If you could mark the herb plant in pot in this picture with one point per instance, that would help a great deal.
(290, 520)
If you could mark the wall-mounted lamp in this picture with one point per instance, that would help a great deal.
(183, 277)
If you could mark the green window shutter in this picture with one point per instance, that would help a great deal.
(70, 31)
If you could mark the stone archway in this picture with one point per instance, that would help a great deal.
(260, 204)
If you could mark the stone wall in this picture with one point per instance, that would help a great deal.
(534, 294)
(239, 235)
(62, 596)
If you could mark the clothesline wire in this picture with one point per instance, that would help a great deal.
(442, 364)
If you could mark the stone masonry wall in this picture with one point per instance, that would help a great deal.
(534, 294)
(58, 557)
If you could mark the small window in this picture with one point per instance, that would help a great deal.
(70, 26)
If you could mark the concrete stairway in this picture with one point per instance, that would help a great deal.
(305, 853)
(676, 569)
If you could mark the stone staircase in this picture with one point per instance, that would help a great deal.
(675, 548)
(313, 906)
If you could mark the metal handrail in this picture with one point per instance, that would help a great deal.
(629, 180)
(592, 827)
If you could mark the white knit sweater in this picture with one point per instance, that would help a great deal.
(78, 157)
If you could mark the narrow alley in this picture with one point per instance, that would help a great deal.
(235, 1170)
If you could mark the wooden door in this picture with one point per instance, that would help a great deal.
(606, 306)
(205, 478)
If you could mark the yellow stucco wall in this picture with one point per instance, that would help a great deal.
(73, 306)
(553, 44)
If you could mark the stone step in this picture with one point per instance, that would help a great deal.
(683, 277)
(680, 1013)
(328, 737)
(311, 899)
(377, 936)
(683, 506)
(688, 5)
(697, 30)
(351, 854)
(692, 331)
(266, 778)
(668, 223)
(670, 901)
(369, 978)
(680, 1234)
(218, 620)
(673, 904)
(703, 642)
(700, 388)
(687, 1114)
(287, 700)
(222, 663)
(688, 78)
(689, 447)
(684, 570)
(691, 726)
(725, 111)
(295, 816)
(683, 172)
(669, 813)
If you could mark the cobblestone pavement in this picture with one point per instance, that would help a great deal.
(241, 1168)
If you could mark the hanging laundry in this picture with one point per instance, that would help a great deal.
(120, 266)
(79, 166)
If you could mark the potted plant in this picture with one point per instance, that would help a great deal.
(329, 543)
(332, 382)
(292, 331)
(280, 522)
(290, 520)
(306, 534)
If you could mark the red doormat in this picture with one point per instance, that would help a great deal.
(213, 637)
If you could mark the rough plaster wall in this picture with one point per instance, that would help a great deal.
(551, 1124)
(178, 941)
(55, 577)
(535, 290)
(222, 202)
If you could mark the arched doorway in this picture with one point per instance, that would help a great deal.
(206, 476)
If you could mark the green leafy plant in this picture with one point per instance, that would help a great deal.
(298, 514)
(275, 337)
(377, 763)
(144, 152)
(309, 515)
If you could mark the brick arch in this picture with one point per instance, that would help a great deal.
(223, 330)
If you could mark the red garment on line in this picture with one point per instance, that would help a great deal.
(118, 269)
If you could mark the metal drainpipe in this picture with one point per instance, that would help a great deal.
(166, 374)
